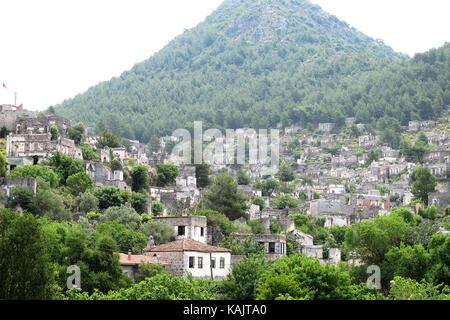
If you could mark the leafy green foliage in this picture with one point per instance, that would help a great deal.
(76, 133)
(424, 183)
(88, 152)
(36, 171)
(126, 238)
(54, 132)
(218, 221)
(108, 197)
(86, 202)
(108, 139)
(157, 208)
(316, 281)
(371, 240)
(65, 166)
(25, 266)
(285, 201)
(79, 183)
(3, 164)
(224, 197)
(167, 173)
(140, 177)
(243, 278)
(409, 289)
(242, 178)
(123, 214)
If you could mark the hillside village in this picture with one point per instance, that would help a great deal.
(333, 177)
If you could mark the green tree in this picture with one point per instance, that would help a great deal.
(108, 139)
(285, 201)
(315, 281)
(216, 220)
(115, 165)
(36, 171)
(86, 202)
(410, 289)
(54, 132)
(202, 175)
(371, 157)
(88, 152)
(26, 272)
(140, 178)
(224, 197)
(147, 270)
(286, 173)
(259, 202)
(167, 173)
(76, 133)
(22, 196)
(108, 197)
(405, 261)
(124, 215)
(268, 187)
(424, 183)
(256, 226)
(126, 239)
(3, 164)
(243, 178)
(243, 278)
(157, 208)
(80, 182)
(371, 240)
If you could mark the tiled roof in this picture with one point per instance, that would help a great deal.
(135, 260)
(186, 245)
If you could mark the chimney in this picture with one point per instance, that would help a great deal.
(129, 254)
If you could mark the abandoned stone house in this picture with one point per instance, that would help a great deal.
(421, 125)
(40, 146)
(194, 257)
(41, 124)
(349, 121)
(326, 127)
(274, 244)
(249, 191)
(440, 155)
(18, 162)
(292, 130)
(373, 199)
(103, 176)
(368, 141)
(187, 227)
(186, 176)
(130, 263)
(322, 207)
(175, 201)
(7, 184)
(441, 170)
(336, 189)
(9, 115)
(441, 198)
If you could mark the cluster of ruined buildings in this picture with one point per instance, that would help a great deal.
(196, 248)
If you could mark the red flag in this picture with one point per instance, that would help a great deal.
(4, 85)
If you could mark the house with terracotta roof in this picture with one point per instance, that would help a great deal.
(190, 256)
(130, 262)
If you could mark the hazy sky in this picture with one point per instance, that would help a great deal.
(52, 50)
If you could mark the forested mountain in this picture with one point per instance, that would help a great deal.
(257, 63)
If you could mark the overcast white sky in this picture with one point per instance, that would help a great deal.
(52, 50)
